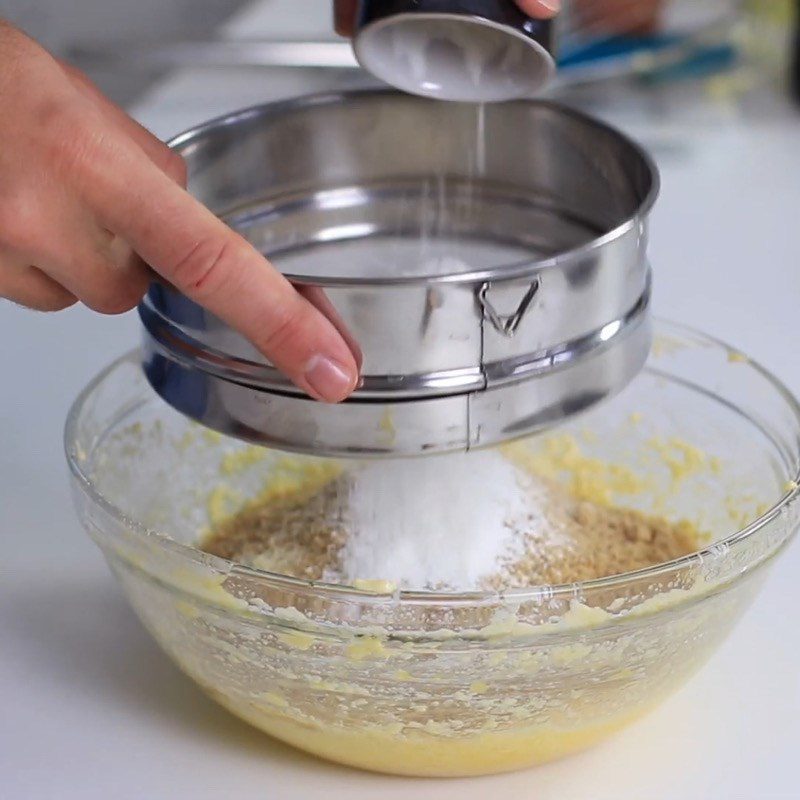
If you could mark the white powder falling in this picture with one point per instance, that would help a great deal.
(445, 521)
(480, 142)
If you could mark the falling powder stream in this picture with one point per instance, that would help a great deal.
(438, 521)
(480, 143)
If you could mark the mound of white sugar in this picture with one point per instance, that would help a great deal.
(444, 521)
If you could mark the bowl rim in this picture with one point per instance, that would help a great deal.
(339, 591)
(273, 110)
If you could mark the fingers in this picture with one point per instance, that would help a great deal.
(162, 156)
(109, 280)
(83, 189)
(540, 9)
(619, 16)
(30, 287)
(330, 376)
(320, 301)
(344, 16)
(76, 253)
(216, 268)
(100, 281)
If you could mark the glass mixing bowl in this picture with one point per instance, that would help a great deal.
(424, 683)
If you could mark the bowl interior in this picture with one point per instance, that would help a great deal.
(713, 436)
(427, 684)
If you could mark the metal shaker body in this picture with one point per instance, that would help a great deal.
(462, 50)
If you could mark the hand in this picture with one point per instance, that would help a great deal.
(87, 197)
(344, 12)
(603, 17)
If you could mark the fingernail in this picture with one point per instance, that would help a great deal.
(551, 5)
(328, 379)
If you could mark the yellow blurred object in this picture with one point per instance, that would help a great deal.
(778, 12)
(766, 34)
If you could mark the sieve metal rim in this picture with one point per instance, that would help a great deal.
(173, 343)
(513, 271)
(489, 354)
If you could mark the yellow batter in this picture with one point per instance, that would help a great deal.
(429, 755)
(452, 736)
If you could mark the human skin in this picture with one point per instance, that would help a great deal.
(92, 204)
(619, 16)
(93, 207)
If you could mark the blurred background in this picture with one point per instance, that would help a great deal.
(127, 46)
(60, 23)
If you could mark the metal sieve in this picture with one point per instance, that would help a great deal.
(491, 262)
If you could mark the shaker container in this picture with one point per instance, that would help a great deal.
(467, 50)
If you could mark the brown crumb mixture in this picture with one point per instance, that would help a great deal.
(303, 537)
(594, 541)
(294, 535)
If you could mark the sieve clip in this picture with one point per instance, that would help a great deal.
(506, 324)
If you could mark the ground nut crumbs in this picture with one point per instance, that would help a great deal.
(565, 538)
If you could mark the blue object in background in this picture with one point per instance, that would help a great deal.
(612, 48)
(703, 61)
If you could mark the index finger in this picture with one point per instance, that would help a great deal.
(211, 264)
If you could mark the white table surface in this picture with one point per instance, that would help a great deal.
(90, 708)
